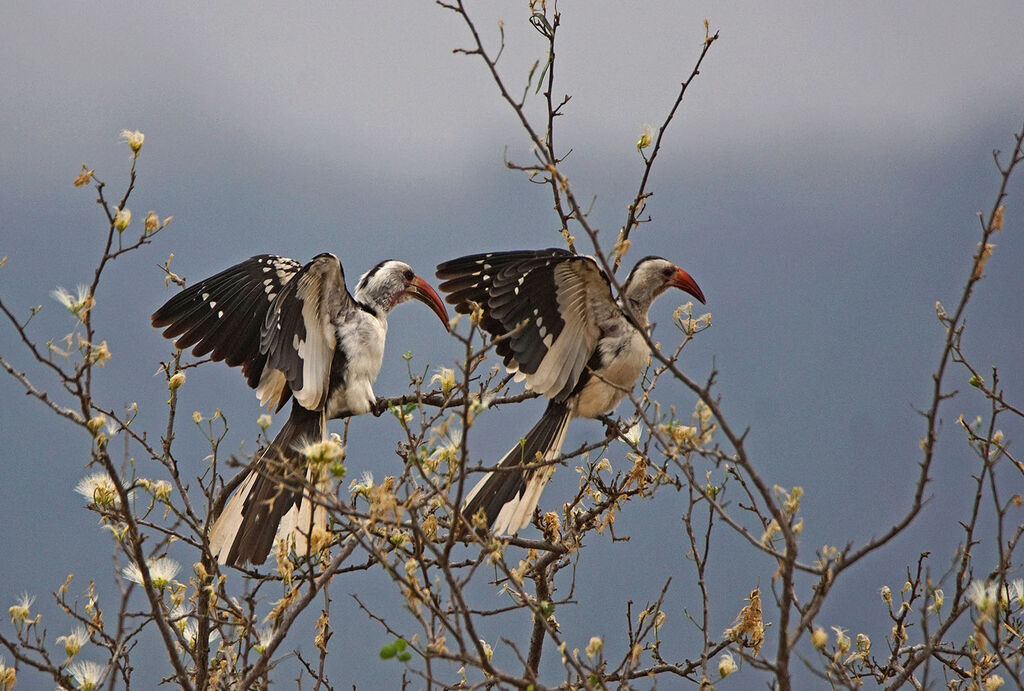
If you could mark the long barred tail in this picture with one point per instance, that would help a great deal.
(508, 496)
(270, 502)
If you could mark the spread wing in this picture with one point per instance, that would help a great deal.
(299, 334)
(223, 315)
(545, 304)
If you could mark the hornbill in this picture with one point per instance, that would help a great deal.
(297, 333)
(561, 330)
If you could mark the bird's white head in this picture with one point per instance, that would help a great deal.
(391, 283)
(651, 277)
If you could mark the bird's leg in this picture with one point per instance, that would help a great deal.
(611, 425)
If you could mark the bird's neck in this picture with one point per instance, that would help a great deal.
(639, 304)
(376, 303)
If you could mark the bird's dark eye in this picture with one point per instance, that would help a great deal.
(667, 272)
(409, 275)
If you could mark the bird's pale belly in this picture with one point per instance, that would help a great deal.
(355, 399)
(364, 348)
(604, 391)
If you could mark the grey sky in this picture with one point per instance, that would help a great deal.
(820, 183)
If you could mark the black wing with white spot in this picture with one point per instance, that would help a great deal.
(223, 315)
(299, 334)
(542, 302)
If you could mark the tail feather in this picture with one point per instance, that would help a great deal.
(508, 497)
(297, 525)
(247, 528)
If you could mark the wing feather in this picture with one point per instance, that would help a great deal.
(544, 303)
(223, 315)
(299, 333)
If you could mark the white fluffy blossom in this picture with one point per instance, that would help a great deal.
(983, 595)
(99, 489)
(161, 571)
(88, 675)
(135, 140)
(78, 303)
(20, 610)
(74, 641)
(726, 665)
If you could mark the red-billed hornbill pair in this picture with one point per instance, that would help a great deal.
(296, 331)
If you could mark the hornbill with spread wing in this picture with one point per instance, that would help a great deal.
(563, 332)
(297, 333)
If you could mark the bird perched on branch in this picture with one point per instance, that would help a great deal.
(563, 332)
(297, 333)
